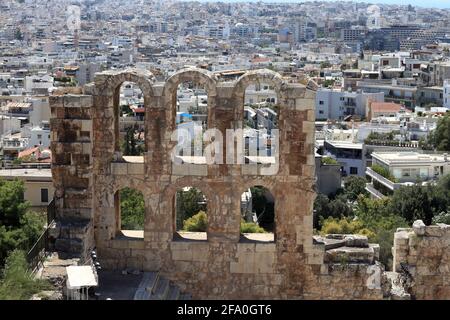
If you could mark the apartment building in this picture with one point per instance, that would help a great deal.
(348, 154)
(405, 168)
(336, 104)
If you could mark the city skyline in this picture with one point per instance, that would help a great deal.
(442, 4)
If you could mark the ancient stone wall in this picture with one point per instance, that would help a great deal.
(71, 134)
(423, 253)
(89, 170)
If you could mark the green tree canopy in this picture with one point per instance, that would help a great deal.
(189, 202)
(355, 186)
(19, 227)
(418, 202)
(12, 204)
(18, 283)
(132, 209)
(441, 136)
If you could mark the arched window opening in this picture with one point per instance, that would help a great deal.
(192, 116)
(261, 111)
(130, 213)
(131, 125)
(257, 214)
(191, 219)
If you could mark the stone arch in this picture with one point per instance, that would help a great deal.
(253, 77)
(197, 75)
(134, 184)
(204, 187)
(111, 85)
(271, 186)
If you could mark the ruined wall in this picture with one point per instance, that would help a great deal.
(293, 265)
(424, 253)
(71, 134)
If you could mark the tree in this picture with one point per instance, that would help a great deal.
(354, 186)
(130, 143)
(130, 146)
(418, 202)
(189, 202)
(19, 228)
(12, 204)
(18, 283)
(377, 216)
(132, 209)
(125, 110)
(440, 137)
(325, 208)
(265, 210)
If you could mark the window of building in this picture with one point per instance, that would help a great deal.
(44, 195)
(320, 111)
(321, 102)
(353, 170)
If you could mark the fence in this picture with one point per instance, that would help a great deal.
(37, 253)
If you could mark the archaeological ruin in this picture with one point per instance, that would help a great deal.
(88, 171)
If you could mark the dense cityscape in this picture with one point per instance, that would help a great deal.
(366, 86)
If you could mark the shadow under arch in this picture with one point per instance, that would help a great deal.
(269, 187)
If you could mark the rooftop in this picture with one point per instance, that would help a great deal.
(345, 144)
(409, 157)
(385, 107)
(26, 173)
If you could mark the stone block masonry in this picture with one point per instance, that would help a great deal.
(424, 253)
(89, 170)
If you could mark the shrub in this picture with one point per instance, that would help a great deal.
(251, 227)
(18, 282)
(384, 172)
(443, 217)
(328, 160)
(344, 226)
(196, 223)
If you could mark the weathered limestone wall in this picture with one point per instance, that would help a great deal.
(72, 173)
(293, 266)
(424, 251)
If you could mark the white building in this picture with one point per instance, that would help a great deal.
(260, 95)
(446, 99)
(405, 168)
(348, 154)
(335, 104)
(9, 124)
(38, 84)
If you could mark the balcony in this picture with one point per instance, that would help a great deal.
(386, 182)
(374, 192)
